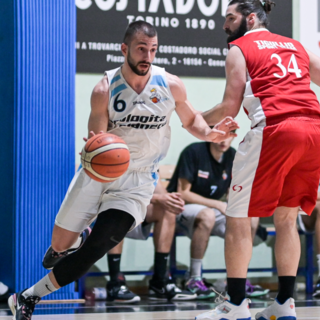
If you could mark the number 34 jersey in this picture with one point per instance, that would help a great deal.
(141, 120)
(278, 78)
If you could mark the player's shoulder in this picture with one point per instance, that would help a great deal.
(102, 87)
(173, 80)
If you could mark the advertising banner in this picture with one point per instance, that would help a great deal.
(192, 41)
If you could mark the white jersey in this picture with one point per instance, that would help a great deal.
(141, 120)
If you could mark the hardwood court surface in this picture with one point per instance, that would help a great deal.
(307, 309)
(303, 313)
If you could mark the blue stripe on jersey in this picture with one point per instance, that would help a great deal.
(115, 79)
(118, 89)
(155, 177)
(159, 80)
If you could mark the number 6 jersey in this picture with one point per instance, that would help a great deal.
(278, 78)
(141, 120)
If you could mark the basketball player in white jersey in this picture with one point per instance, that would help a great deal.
(134, 102)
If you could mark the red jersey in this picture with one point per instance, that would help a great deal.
(278, 84)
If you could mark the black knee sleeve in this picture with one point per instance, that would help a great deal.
(109, 230)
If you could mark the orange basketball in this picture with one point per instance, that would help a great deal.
(105, 157)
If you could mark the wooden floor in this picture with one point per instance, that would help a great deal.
(303, 313)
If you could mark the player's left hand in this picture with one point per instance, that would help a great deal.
(224, 130)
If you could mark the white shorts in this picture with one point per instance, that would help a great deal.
(185, 221)
(86, 198)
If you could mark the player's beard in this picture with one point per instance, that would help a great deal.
(134, 66)
(239, 32)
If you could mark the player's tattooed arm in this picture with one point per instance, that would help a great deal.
(192, 119)
(314, 67)
(98, 120)
(235, 87)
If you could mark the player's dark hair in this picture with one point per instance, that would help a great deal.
(139, 26)
(260, 7)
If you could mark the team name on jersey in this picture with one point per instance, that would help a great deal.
(141, 122)
(275, 45)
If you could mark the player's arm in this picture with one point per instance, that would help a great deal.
(98, 120)
(314, 66)
(192, 120)
(184, 188)
(235, 87)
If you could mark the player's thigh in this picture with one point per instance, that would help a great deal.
(261, 164)
(81, 203)
(186, 219)
(300, 187)
(219, 228)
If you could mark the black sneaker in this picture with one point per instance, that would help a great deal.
(166, 290)
(51, 257)
(316, 291)
(118, 292)
(21, 307)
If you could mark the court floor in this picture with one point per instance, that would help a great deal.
(307, 309)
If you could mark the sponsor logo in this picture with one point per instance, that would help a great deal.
(138, 102)
(155, 96)
(236, 188)
(141, 122)
(48, 288)
(224, 175)
(18, 305)
(203, 174)
(114, 240)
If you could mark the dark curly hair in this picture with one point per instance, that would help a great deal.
(260, 7)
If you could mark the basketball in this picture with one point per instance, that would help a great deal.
(105, 157)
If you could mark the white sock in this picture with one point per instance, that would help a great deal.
(318, 258)
(77, 244)
(195, 268)
(3, 288)
(41, 288)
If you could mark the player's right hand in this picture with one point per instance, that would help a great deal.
(172, 202)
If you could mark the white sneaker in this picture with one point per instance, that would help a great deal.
(278, 311)
(228, 311)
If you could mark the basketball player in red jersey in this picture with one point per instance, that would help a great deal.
(277, 167)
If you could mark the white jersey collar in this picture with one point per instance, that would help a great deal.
(256, 30)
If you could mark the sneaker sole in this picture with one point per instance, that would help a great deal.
(281, 318)
(229, 318)
(133, 300)
(206, 297)
(316, 294)
(179, 297)
(12, 305)
(258, 294)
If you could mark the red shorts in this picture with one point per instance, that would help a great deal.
(275, 166)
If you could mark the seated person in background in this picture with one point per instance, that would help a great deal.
(311, 224)
(162, 212)
(202, 177)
